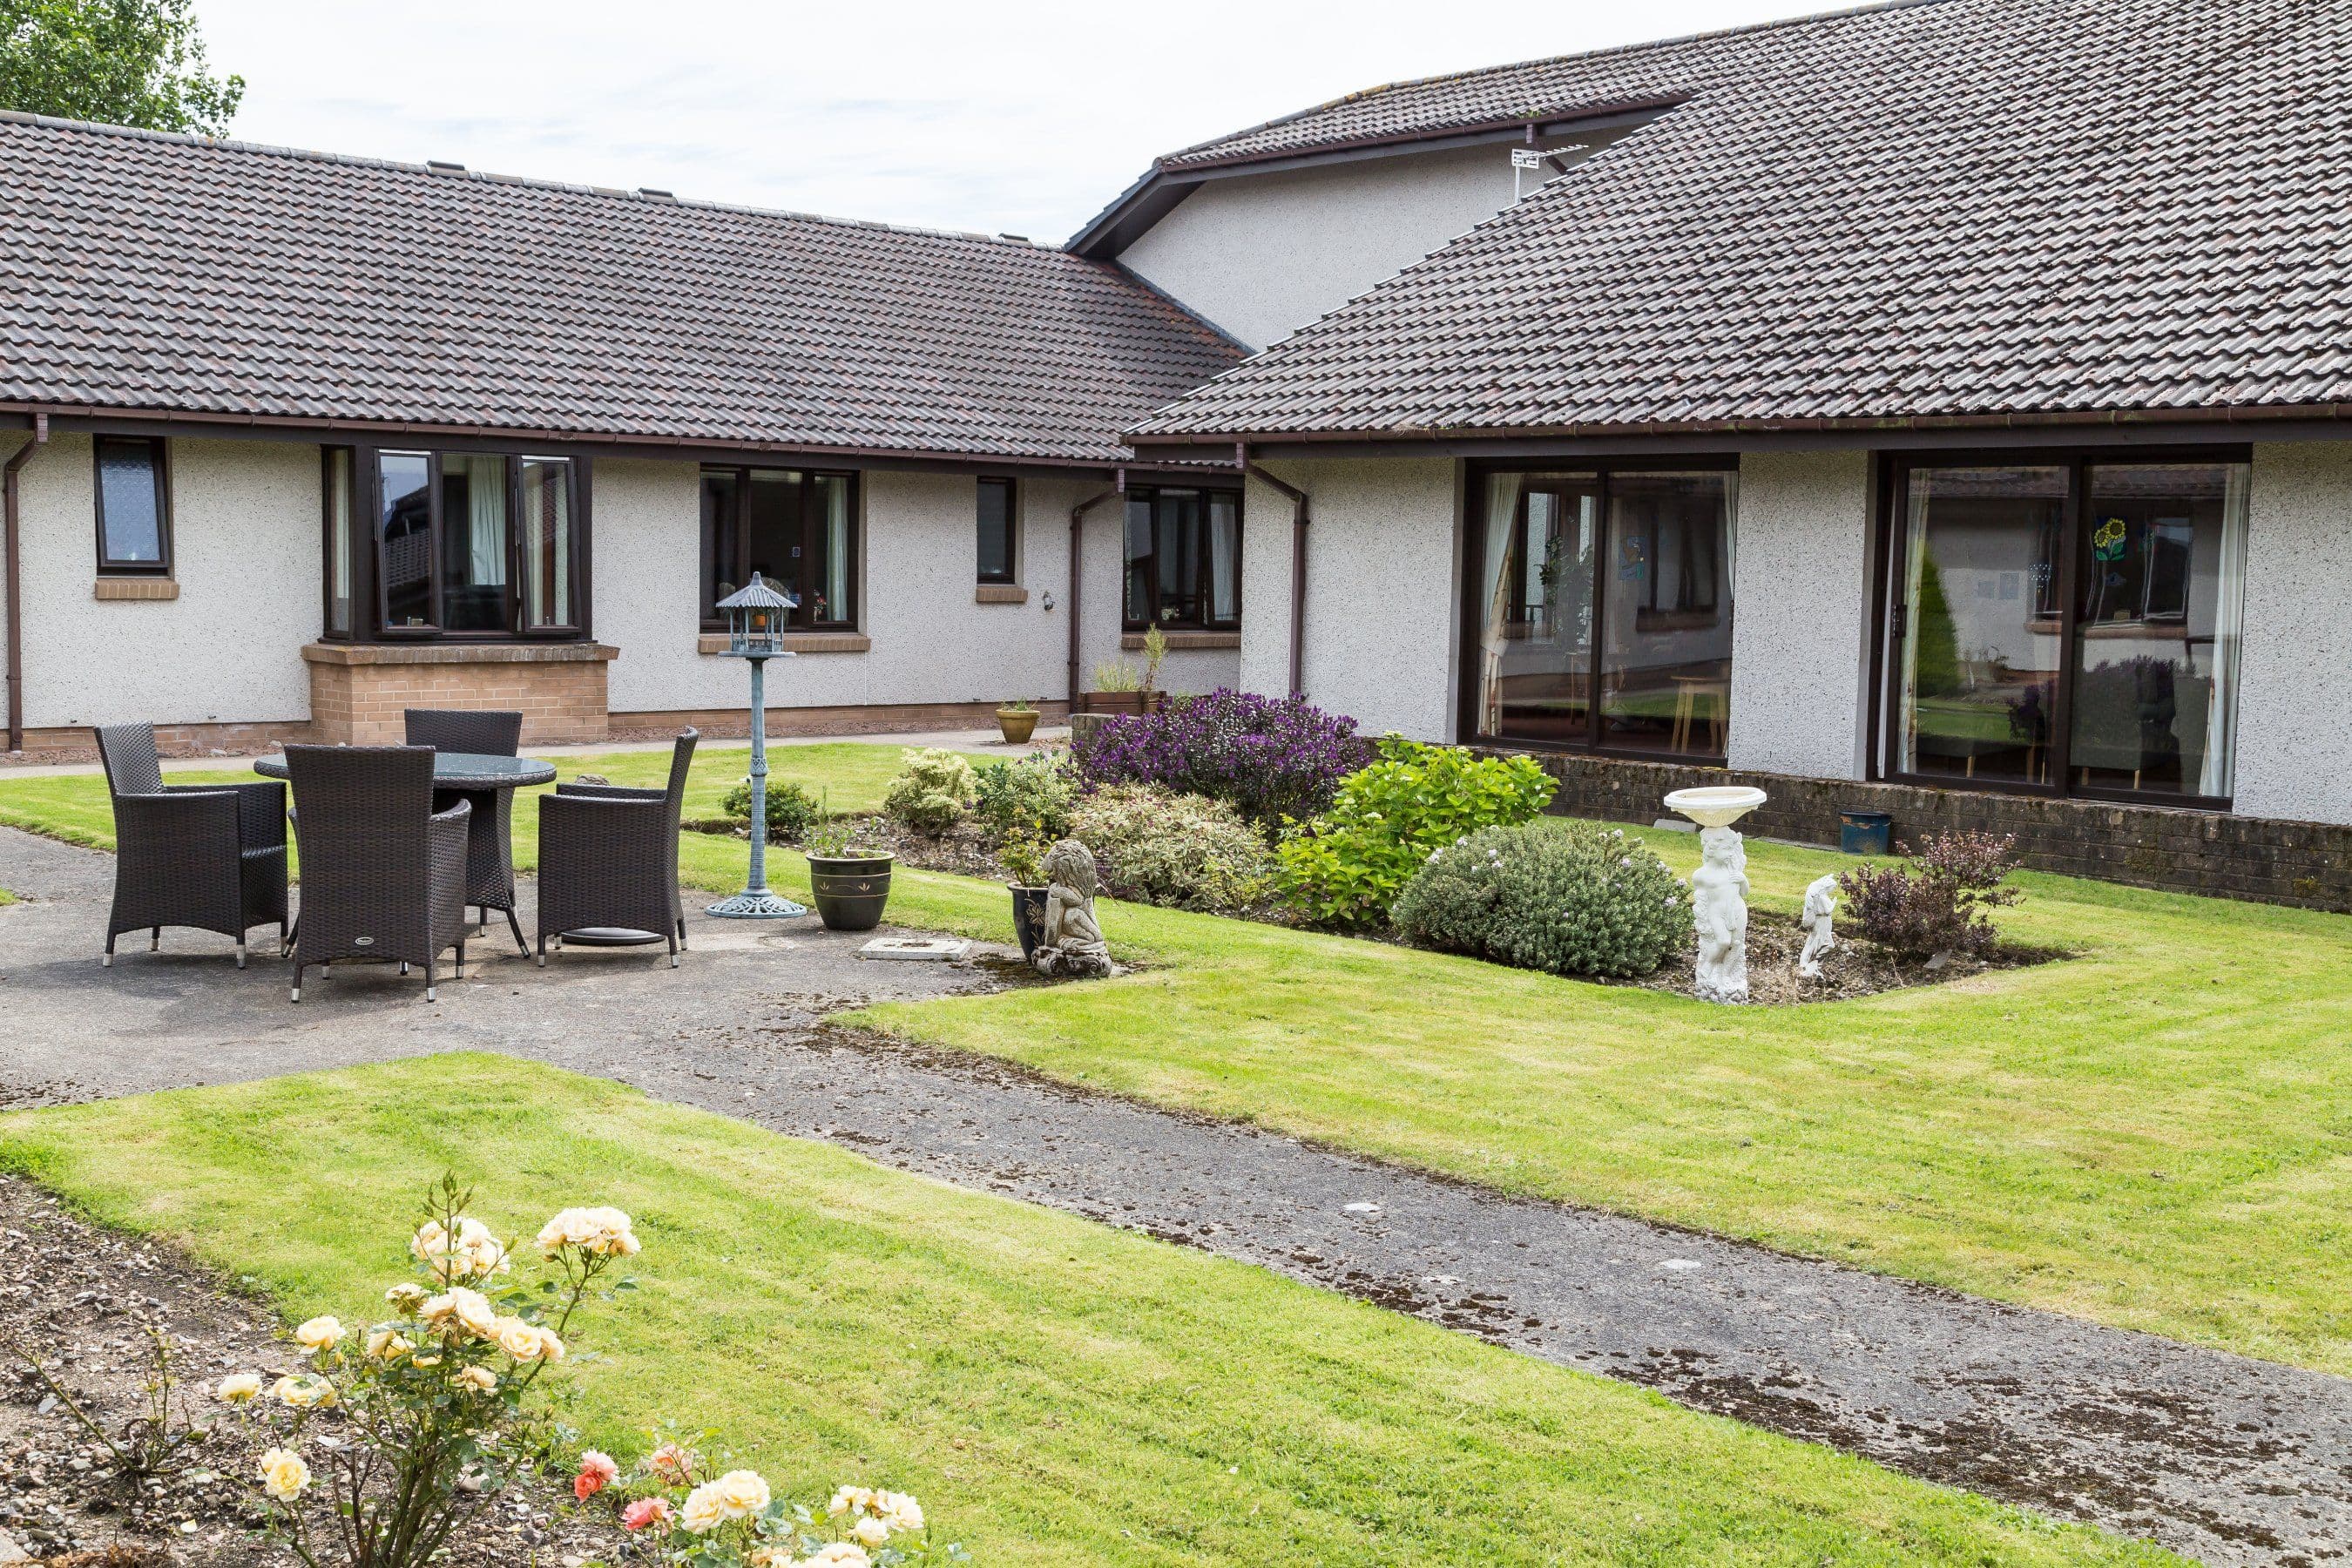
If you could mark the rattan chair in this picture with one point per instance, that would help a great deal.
(207, 856)
(486, 732)
(383, 874)
(608, 861)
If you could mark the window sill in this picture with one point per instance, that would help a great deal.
(999, 594)
(796, 642)
(130, 588)
(1132, 641)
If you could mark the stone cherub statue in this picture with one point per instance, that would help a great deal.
(1820, 905)
(1071, 942)
(1719, 909)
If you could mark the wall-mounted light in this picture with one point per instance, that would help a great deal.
(1048, 598)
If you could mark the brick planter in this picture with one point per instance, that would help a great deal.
(2277, 862)
(358, 689)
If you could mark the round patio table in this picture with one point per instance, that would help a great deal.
(490, 783)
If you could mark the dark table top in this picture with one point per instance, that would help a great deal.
(459, 770)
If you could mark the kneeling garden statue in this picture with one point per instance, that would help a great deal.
(1070, 943)
(1821, 906)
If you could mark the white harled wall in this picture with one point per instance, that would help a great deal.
(1382, 588)
(2295, 688)
(246, 555)
(1800, 614)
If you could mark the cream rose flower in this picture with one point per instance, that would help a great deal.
(774, 1555)
(406, 1298)
(605, 1232)
(469, 1253)
(284, 1474)
(304, 1391)
(869, 1530)
(742, 1493)
(901, 1511)
(237, 1387)
(480, 1377)
(703, 1511)
(839, 1554)
(859, 1499)
(518, 1339)
(318, 1334)
(459, 1308)
(388, 1344)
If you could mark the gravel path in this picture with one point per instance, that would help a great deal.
(2227, 1458)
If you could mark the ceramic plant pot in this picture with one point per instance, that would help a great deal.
(1028, 917)
(1017, 724)
(850, 891)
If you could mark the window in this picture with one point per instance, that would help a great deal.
(470, 544)
(341, 603)
(134, 512)
(1602, 601)
(2067, 626)
(997, 526)
(1184, 559)
(797, 530)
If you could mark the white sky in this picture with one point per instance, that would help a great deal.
(1021, 116)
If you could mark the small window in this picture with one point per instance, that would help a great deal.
(996, 530)
(1184, 559)
(134, 519)
(798, 531)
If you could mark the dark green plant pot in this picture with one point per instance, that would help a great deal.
(1028, 917)
(849, 892)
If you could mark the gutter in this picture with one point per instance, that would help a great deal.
(13, 549)
(1297, 562)
(1078, 572)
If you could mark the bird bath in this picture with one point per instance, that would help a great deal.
(1719, 887)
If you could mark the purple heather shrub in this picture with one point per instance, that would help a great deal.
(1269, 757)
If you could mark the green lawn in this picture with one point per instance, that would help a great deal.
(1056, 1392)
(2156, 1134)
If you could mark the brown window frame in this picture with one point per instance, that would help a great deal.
(371, 609)
(1205, 621)
(802, 618)
(1892, 495)
(1473, 612)
(160, 458)
(1012, 489)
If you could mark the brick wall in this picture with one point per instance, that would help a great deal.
(865, 719)
(2304, 863)
(357, 694)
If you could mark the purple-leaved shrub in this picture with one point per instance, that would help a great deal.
(1267, 757)
(1941, 901)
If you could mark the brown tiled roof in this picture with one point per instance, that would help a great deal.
(1951, 209)
(154, 272)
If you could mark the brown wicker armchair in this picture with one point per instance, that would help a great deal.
(608, 862)
(487, 733)
(207, 856)
(383, 874)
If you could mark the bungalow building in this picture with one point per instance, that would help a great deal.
(1991, 358)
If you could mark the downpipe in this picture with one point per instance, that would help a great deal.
(13, 548)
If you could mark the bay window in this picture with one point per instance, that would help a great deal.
(458, 544)
(2067, 624)
(797, 530)
(1602, 600)
(1184, 559)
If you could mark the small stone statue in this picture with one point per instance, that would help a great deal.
(1719, 909)
(1820, 903)
(1071, 942)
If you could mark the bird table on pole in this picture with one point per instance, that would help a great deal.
(755, 631)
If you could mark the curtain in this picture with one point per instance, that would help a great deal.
(486, 504)
(1502, 512)
(2229, 621)
(1914, 566)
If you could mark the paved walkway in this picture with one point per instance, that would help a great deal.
(2234, 1460)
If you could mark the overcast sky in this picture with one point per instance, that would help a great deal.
(1019, 116)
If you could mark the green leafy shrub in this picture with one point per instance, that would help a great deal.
(1570, 898)
(791, 808)
(1030, 797)
(1346, 867)
(932, 793)
(1184, 851)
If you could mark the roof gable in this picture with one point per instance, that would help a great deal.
(1957, 208)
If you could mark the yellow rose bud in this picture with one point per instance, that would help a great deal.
(238, 1388)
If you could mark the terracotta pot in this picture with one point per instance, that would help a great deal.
(1017, 724)
(1113, 702)
(1028, 917)
(850, 892)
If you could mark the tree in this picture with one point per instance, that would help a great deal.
(124, 62)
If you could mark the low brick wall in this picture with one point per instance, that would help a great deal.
(2304, 863)
(869, 719)
(359, 691)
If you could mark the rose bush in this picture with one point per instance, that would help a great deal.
(400, 1432)
(688, 1512)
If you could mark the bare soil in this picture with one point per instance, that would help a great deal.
(81, 1298)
